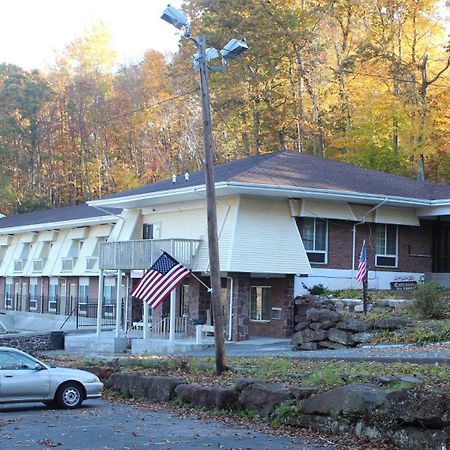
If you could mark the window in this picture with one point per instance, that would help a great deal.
(260, 308)
(386, 245)
(147, 231)
(315, 233)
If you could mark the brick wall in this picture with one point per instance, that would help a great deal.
(282, 296)
(340, 242)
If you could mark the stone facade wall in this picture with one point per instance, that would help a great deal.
(241, 307)
(411, 241)
(27, 343)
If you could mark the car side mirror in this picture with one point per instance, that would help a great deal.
(38, 366)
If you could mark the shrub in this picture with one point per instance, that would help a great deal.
(317, 289)
(428, 301)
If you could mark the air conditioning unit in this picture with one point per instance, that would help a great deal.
(385, 261)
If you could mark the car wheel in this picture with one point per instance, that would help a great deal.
(69, 396)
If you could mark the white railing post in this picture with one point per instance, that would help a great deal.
(100, 302)
(145, 320)
(118, 302)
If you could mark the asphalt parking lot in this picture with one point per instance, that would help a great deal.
(102, 425)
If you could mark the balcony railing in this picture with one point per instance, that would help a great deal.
(129, 255)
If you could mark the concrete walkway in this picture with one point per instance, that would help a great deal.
(276, 347)
(417, 354)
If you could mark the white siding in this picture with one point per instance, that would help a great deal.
(188, 221)
(396, 216)
(267, 239)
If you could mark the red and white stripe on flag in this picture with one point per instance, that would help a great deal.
(160, 280)
(362, 266)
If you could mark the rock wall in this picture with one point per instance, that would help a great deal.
(318, 325)
(414, 419)
(27, 342)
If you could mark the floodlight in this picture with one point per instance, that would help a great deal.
(211, 53)
(174, 17)
(233, 49)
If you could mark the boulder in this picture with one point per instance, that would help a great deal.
(358, 326)
(302, 392)
(323, 424)
(300, 326)
(363, 338)
(321, 325)
(340, 336)
(412, 438)
(242, 383)
(264, 397)
(158, 388)
(322, 315)
(353, 400)
(308, 335)
(422, 407)
(393, 323)
(208, 397)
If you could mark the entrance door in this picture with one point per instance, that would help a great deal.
(62, 297)
(17, 296)
(73, 297)
(25, 297)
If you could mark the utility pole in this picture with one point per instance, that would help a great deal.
(233, 49)
(213, 241)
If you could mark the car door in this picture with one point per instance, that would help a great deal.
(20, 380)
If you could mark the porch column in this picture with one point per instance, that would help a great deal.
(173, 305)
(118, 302)
(100, 301)
(127, 288)
(144, 319)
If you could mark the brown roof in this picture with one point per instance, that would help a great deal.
(55, 215)
(300, 170)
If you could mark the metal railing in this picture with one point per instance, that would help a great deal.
(84, 310)
(141, 254)
(160, 328)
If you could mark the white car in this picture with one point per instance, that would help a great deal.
(26, 379)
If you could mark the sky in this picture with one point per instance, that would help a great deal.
(33, 32)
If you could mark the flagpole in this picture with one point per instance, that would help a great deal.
(365, 294)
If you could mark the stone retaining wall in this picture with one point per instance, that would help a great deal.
(415, 419)
(27, 342)
(319, 325)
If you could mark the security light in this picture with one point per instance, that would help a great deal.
(211, 53)
(233, 49)
(175, 17)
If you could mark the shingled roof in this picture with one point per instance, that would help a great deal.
(55, 215)
(300, 170)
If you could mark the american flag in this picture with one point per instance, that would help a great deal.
(160, 280)
(362, 267)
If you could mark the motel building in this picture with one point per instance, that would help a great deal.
(285, 220)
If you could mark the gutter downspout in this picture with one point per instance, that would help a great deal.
(354, 236)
